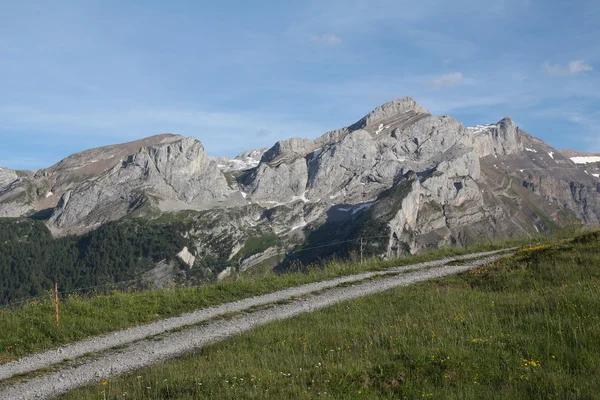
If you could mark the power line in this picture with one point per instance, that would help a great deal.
(97, 286)
(230, 263)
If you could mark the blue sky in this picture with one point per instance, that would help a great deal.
(238, 74)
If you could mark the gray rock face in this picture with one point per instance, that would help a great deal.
(553, 177)
(343, 168)
(177, 169)
(184, 167)
(498, 139)
(390, 111)
(288, 151)
(430, 201)
(7, 176)
(356, 163)
(90, 163)
(15, 201)
(274, 183)
(42, 190)
(425, 180)
(17, 195)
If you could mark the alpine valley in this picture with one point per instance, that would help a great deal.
(405, 180)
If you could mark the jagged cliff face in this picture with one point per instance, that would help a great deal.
(7, 176)
(420, 180)
(397, 143)
(100, 185)
(554, 177)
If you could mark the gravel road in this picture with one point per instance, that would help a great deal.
(138, 352)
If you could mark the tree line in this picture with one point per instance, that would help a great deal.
(31, 260)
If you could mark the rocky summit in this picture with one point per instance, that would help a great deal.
(401, 175)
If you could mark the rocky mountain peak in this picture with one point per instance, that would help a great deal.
(172, 170)
(506, 124)
(92, 162)
(288, 149)
(499, 139)
(457, 179)
(390, 110)
(103, 153)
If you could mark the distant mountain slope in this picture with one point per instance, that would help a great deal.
(411, 179)
(588, 162)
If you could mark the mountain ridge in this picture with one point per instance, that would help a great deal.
(444, 182)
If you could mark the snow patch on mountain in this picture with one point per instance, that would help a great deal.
(301, 197)
(585, 160)
(315, 154)
(362, 206)
(300, 225)
(246, 160)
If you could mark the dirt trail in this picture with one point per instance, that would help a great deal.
(138, 352)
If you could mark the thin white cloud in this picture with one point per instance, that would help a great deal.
(210, 127)
(263, 132)
(578, 66)
(447, 105)
(331, 40)
(585, 134)
(589, 142)
(446, 81)
(21, 162)
(573, 68)
(571, 114)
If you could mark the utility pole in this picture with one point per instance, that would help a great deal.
(56, 302)
(558, 219)
(361, 250)
(238, 269)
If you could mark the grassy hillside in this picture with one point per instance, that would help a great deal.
(30, 327)
(524, 328)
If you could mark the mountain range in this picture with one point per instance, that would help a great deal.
(405, 178)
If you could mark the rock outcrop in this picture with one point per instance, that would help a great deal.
(500, 139)
(17, 193)
(173, 170)
(186, 257)
(7, 176)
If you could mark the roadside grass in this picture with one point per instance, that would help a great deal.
(30, 328)
(524, 327)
